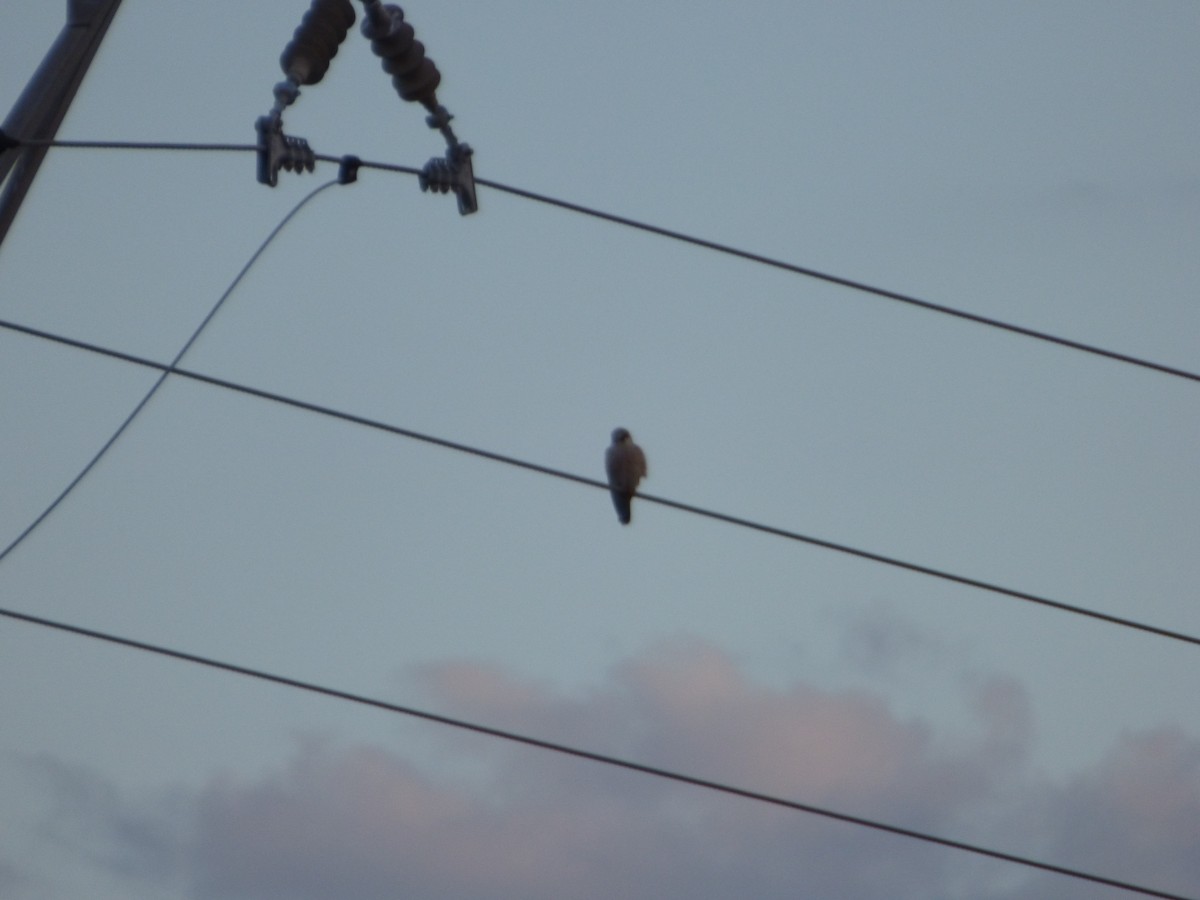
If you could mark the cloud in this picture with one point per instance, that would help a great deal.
(1136, 816)
(879, 642)
(687, 706)
(360, 822)
(363, 822)
(92, 820)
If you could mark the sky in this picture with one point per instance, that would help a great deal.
(1026, 161)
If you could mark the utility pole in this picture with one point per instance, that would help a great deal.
(44, 102)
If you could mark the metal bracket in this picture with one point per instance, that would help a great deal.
(278, 151)
(453, 172)
(348, 169)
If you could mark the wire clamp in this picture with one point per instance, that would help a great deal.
(277, 150)
(453, 172)
(348, 169)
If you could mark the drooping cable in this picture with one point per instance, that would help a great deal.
(587, 755)
(592, 482)
(165, 371)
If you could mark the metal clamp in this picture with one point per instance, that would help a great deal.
(453, 172)
(278, 151)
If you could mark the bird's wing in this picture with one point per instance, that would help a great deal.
(639, 462)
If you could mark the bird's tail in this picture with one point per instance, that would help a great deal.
(623, 504)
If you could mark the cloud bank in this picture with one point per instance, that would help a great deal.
(502, 821)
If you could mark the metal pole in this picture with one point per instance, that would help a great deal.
(44, 102)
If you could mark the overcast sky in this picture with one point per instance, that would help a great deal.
(1033, 162)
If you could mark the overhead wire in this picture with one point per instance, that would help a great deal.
(672, 234)
(165, 370)
(841, 281)
(734, 520)
(172, 368)
(588, 755)
(188, 146)
(692, 509)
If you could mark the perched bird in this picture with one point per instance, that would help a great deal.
(626, 466)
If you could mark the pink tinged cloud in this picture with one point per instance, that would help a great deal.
(362, 823)
(545, 826)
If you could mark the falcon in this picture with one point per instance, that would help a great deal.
(626, 466)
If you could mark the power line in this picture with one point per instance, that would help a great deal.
(839, 280)
(198, 146)
(734, 520)
(587, 755)
(166, 370)
(534, 742)
(715, 246)
(592, 482)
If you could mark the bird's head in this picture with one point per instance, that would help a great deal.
(620, 435)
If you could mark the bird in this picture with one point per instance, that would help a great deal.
(625, 464)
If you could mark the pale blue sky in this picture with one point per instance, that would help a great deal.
(1033, 162)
